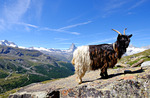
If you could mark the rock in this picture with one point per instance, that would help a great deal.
(121, 65)
(138, 63)
(135, 84)
(29, 95)
(145, 64)
(148, 56)
(127, 71)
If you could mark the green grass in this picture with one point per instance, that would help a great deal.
(3, 74)
(141, 55)
(12, 82)
(29, 66)
(6, 94)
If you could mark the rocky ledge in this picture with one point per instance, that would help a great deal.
(122, 83)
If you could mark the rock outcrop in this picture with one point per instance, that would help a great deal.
(145, 64)
(122, 83)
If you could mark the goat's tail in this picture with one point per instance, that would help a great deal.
(73, 61)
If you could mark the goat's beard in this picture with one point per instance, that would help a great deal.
(121, 52)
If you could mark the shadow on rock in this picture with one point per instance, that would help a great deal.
(118, 74)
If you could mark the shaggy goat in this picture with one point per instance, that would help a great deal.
(103, 56)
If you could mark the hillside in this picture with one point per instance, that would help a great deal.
(122, 82)
(135, 84)
(62, 55)
(20, 67)
(131, 59)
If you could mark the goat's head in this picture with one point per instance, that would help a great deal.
(123, 40)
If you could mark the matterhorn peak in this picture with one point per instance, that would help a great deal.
(72, 47)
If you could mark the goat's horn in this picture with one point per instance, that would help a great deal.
(117, 31)
(124, 31)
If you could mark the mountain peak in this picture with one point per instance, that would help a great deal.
(72, 47)
(8, 43)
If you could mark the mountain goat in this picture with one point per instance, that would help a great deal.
(102, 56)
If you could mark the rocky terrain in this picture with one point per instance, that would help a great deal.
(20, 67)
(129, 79)
(122, 83)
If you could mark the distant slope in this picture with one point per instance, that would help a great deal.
(133, 50)
(7, 43)
(66, 55)
(19, 67)
(131, 59)
(63, 55)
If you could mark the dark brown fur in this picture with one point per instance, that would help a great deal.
(104, 55)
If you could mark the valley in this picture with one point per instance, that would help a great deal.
(20, 67)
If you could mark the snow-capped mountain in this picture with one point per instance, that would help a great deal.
(8, 43)
(146, 47)
(130, 50)
(38, 48)
(71, 49)
(133, 50)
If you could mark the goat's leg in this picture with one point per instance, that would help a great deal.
(79, 79)
(104, 73)
(80, 73)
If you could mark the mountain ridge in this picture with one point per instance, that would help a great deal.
(68, 52)
(122, 82)
(19, 67)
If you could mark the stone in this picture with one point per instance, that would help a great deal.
(145, 64)
(148, 56)
(134, 84)
(138, 63)
(121, 65)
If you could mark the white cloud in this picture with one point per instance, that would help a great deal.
(16, 10)
(37, 5)
(63, 29)
(28, 25)
(75, 25)
(61, 39)
(102, 41)
(137, 4)
(14, 13)
(114, 4)
(59, 30)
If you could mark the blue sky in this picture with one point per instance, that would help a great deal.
(58, 23)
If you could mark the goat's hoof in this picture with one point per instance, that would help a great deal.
(79, 81)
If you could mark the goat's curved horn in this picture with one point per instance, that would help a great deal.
(117, 31)
(124, 31)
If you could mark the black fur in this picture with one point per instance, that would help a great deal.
(122, 44)
(104, 55)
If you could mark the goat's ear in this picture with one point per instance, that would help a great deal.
(130, 36)
(119, 36)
